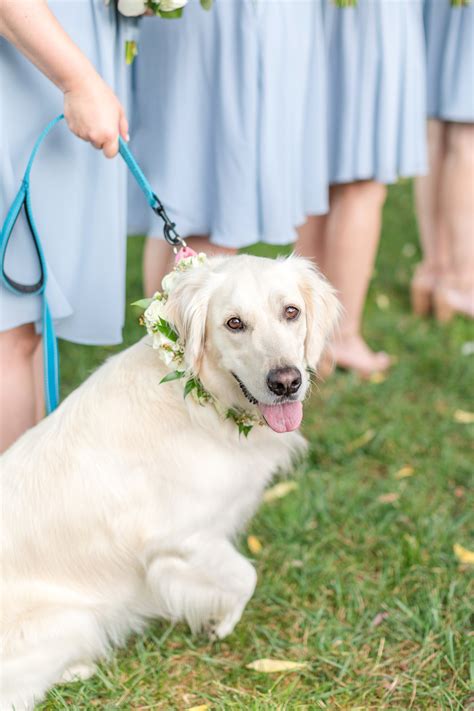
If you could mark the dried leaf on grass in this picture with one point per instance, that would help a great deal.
(379, 618)
(360, 441)
(388, 498)
(279, 490)
(203, 707)
(254, 545)
(404, 472)
(390, 685)
(464, 417)
(271, 666)
(463, 554)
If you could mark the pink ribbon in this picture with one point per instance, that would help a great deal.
(184, 253)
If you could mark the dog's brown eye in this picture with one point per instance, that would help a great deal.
(235, 324)
(291, 312)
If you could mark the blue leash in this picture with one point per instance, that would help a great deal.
(23, 200)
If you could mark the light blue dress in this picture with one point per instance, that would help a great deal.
(226, 102)
(78, 196)
(450, 60)
(376, 89)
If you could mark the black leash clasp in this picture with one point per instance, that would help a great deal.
(169, 229)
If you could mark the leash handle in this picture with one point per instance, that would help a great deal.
(50, 344)
(23, 201)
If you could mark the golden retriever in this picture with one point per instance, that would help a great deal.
(123, 504)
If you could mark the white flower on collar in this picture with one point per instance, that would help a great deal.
(165, 339)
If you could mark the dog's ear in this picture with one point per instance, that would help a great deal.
(187, 310)
(322, 309)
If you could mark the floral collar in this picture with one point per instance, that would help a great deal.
(170, 347)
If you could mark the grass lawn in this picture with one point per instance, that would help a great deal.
(357, 575)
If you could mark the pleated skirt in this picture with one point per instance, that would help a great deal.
(376, 90)
(228, 104)
(78, 196)
(450, 60)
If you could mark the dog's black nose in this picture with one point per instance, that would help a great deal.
(284, 381)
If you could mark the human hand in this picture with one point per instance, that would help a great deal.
(94, 113)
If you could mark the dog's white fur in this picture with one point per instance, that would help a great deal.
(122, 505)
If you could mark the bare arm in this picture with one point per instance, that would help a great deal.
(92, 110)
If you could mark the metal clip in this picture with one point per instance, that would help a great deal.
(169, 230)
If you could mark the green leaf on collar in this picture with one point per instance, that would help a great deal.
(190, 386)
(240, 420)
(244, 429)
(167, 330)
(142, 303)
(175, 375)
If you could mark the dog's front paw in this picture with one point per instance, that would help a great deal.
(78, 672)
(219, 629)
(210, 630)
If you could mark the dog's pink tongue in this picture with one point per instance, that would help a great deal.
(283, 418)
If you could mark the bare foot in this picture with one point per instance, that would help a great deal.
(353, 353)
(451, 301)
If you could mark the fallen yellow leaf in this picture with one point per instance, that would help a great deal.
(404, 472)
(388, 498)
(361, 441)
(466, 418)
(279, 490)
(203, 707)
(377, 378)
(463, 554)
(270, 666)
(254, 545)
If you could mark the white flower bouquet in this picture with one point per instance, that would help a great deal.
(162, 8)
(134, 9)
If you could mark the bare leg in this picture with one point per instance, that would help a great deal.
(17, 386)
(38, 374)
(352, 237)
(457, 196)
(158, 258)
(435, 264)
(311, 239)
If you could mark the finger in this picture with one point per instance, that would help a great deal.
(123, 127)
(110, 148)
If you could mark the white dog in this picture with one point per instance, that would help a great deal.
(122, 505)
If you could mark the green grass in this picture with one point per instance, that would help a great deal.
(334, 555)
